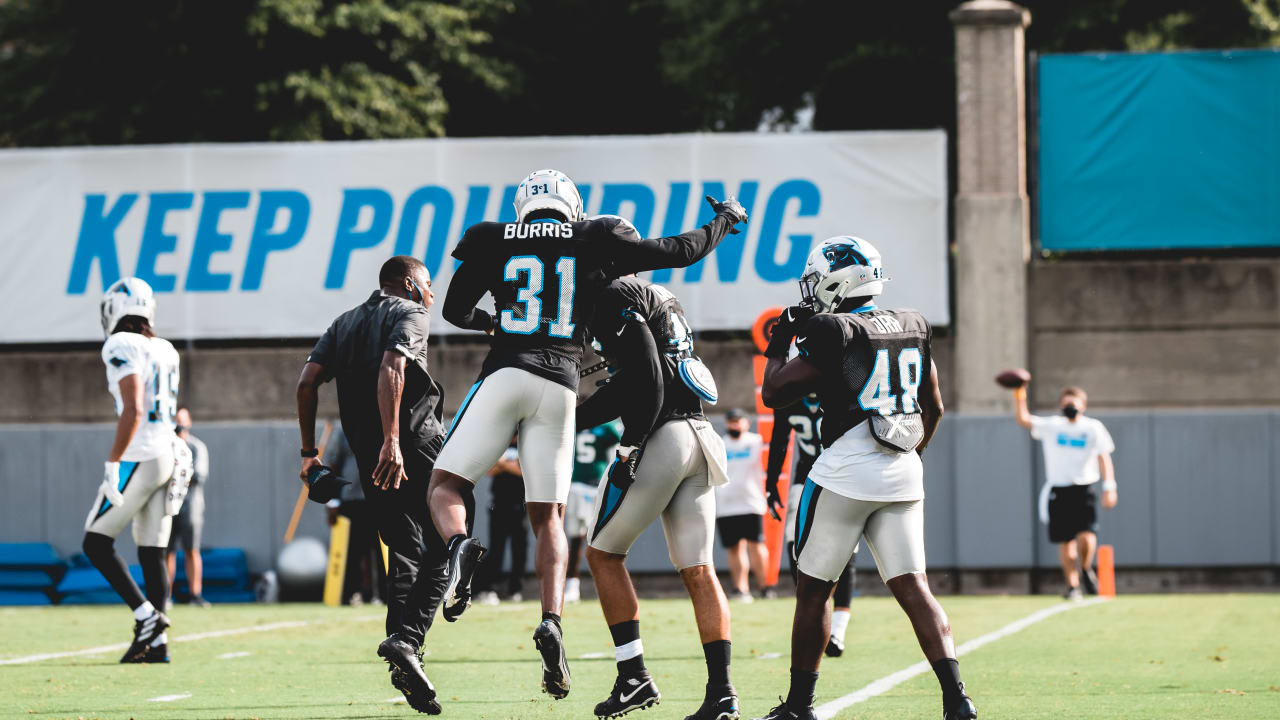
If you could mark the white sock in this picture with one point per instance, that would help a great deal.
(161, 639)
(143, 611)
(839, 624)
(628, 651)
(571, 585)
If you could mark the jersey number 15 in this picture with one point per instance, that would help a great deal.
(530, 270)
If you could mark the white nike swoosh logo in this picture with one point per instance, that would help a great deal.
(627, 698)
(801, 338)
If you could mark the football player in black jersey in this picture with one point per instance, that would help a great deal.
(545, 272)
(805, 418)
(874, 375)
(658, 387)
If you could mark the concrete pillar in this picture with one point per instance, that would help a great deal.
(991, 224)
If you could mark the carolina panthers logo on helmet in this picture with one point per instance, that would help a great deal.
(842, 255)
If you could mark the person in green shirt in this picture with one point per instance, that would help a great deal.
(593, 451)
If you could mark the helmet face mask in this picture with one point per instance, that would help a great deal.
(548, 190)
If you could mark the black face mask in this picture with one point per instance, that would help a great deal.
(1071, 411)
(735, 433)
(180, 428)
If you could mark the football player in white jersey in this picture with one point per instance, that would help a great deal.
(148, 468)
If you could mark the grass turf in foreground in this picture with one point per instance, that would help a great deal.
(1137, 657)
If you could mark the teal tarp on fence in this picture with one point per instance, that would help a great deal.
(1160, 151)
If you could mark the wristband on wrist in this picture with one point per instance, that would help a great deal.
(1109, 486)
(313, 452)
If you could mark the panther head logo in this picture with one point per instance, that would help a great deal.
(843, 255)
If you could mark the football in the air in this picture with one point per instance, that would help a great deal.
(1013, 378)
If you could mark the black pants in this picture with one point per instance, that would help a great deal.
(508, 523)
(416, 556)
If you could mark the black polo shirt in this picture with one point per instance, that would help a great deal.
(351, 352)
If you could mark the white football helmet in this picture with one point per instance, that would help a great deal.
(840, 268)
(548, 190)
(127, 296)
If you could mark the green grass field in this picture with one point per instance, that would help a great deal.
(1203, 656)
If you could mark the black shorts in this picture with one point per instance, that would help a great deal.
(734, 528)
(1072, 510)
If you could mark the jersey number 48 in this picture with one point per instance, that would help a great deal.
(878, 394)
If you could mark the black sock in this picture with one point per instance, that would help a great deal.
(154, 575)
(717, 653)
(627, 634)
(948, 672)
(101, 551)
(803, 683)
(552, 617)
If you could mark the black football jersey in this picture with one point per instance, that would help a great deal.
(872, 364)
(545, 278)
(660, 310)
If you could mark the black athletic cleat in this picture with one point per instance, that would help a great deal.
(636, 692)
(963, 709)
(782, 712)
(408, 676)
(144, 632)
(463, 560)
(720, 704)
(835, 647)
(1090, 581)
(549, 640)
(157, 654)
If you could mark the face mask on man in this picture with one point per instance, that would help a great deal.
(1071, 411)
(181, 428)
(735, 432)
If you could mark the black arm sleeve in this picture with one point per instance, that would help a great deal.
(465, 290)
(636, 392)
(778, 440)
(635, 254)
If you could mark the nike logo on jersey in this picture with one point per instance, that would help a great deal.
(626, 697)
(117, 361)
(801, 338)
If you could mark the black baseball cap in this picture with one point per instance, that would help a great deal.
(324, 484)
(734, 414)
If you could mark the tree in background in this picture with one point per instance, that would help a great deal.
(76, 73)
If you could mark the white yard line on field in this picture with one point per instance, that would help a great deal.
(170, 698)
(210, 634)
(232, 655)
(828, 710)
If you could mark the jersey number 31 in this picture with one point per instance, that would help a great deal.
(529, 270)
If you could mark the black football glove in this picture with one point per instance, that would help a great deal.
(784, 331)
(775, 500)
(623, 470)
(730, 208)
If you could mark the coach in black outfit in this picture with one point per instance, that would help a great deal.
(392, 413)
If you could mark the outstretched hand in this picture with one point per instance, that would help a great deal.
(731, 208)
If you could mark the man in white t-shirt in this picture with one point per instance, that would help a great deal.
(1077, 454)
(740, 507)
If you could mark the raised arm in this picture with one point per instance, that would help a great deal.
(634, 254)
(1020, 411)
